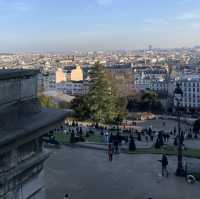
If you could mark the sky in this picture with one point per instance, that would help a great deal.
(65, 25)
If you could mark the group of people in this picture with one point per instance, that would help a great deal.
(76, 134)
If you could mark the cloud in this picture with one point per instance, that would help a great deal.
(183, 2)
(104, 3)
(195, 26)
(156, 21)
(188, 16)
(15, 6)
(21, 6)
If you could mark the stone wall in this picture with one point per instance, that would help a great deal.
(17, 89)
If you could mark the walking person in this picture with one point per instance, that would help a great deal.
(116, 145)
(164, 124)
(111, 138)
(106, 137)
(174, 130)
(66, 196)
(147, 139)
(102, 136)
(110, 152)
(164, 162)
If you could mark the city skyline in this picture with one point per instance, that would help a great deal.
(35, 26)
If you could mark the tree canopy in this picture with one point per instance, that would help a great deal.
(100, 99)
(47, 101)
(147, 101)
(102, 103)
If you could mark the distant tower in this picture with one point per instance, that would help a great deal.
(150, 47)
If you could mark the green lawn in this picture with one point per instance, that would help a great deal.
(94, 138)
(62, 138)
(169, 150)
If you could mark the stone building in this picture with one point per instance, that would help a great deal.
(73, 73)
(73, 88)
(122, 75)
(23, 122)
(190, 86)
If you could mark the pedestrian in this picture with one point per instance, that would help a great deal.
(164, 162)
(106, 137)
(174, 130)
(110, 152)
(66, 196)
(176, 141)
(116, 145)
(164, 124)
(168, 136)
(111, 138)
(146, 138)
(139, 136)
(102, 136)
(151, 137)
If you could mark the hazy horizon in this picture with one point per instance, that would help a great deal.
(88, 25)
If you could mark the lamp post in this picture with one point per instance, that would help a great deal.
(178, 94)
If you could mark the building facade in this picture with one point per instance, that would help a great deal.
(47, 80)
(23, 122)
(122, 74)
(190, 86)
(73, 73)
(74, 88)
(155, 79)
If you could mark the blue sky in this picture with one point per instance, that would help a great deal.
(61, 25)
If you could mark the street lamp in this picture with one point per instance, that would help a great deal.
(178, 94)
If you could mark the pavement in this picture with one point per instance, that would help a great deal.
(157, 125)
(87, 174)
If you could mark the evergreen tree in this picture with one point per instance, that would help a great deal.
(100, 99)
(81, 107)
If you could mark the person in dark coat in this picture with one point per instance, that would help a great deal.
(174, 130)
(111, 138)
(132, 146)
(110, 152)
(164, 162)
(176, 141)
(66, 196)
(116, 145)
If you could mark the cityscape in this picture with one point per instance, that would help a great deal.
(99, 99)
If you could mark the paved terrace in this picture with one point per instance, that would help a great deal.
(87, 174)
